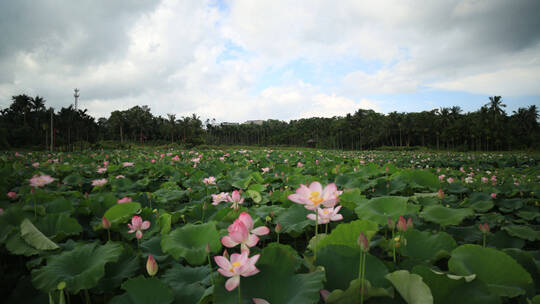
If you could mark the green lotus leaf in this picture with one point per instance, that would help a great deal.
(190, 242)
(522, 232)
(186, 282)
(426, 246)
(143, 290)
(58, 205)
(419, 179)
(411, 287)
(165, 223)
(276, 282)
(59, 226)
(445, 216)
(153, 246)
(121, 213)
(509, 205)
(379, 209)
(294, 220)
(501, 239)
(502, 274)
(254, 195)
(80, 268)
(482, 206)
(352, 294)
(341, 264)
(99, 203)
(115, 273)
(166, 196)
(448, 289)
(257, 187)
(351, 198)
(36, 238)
(527, 260)
(347, 234)
(16, 245)
(456, 188)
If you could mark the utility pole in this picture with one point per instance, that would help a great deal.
(76, 95)
(52, 130)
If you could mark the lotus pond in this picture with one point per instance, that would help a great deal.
(239, 226)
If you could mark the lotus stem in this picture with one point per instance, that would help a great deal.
(484, 240)
(87, 296)
(239, 294)
(316, 232)
(362, 291)
(210, 266)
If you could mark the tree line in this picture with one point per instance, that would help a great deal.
(27, 123)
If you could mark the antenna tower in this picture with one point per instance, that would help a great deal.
(76, 95)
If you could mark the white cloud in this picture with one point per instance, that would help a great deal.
(501, 82)
(168, 55)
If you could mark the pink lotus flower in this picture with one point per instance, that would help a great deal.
(151, 266)
(264, 170)
(176, 158)
(120, 176)
(241, 232)
(493, 195)
(127, 164)
(12, 195)
(236, 199)
(450, 180)
(99, 182)
(326, 215)
(209, 180)
(101, 170)
(484, 180)
(299, 165)
(137, 225)
(315, 195)
(239, 265)
(221, 197)
(125, 199)
(35, 165)
(441, 177)
(40, 181)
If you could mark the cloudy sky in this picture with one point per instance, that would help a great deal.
(240, 60)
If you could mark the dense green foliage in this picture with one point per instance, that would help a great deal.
(26, 123)
(55, 243)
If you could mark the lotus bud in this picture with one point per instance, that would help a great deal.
(440, 194)
(410, 224)
(484, 228)
(105, 223)
(363, 242)
(493, 195)
(278, 227)
(390, 223)
(402, 224)
(151, 266)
